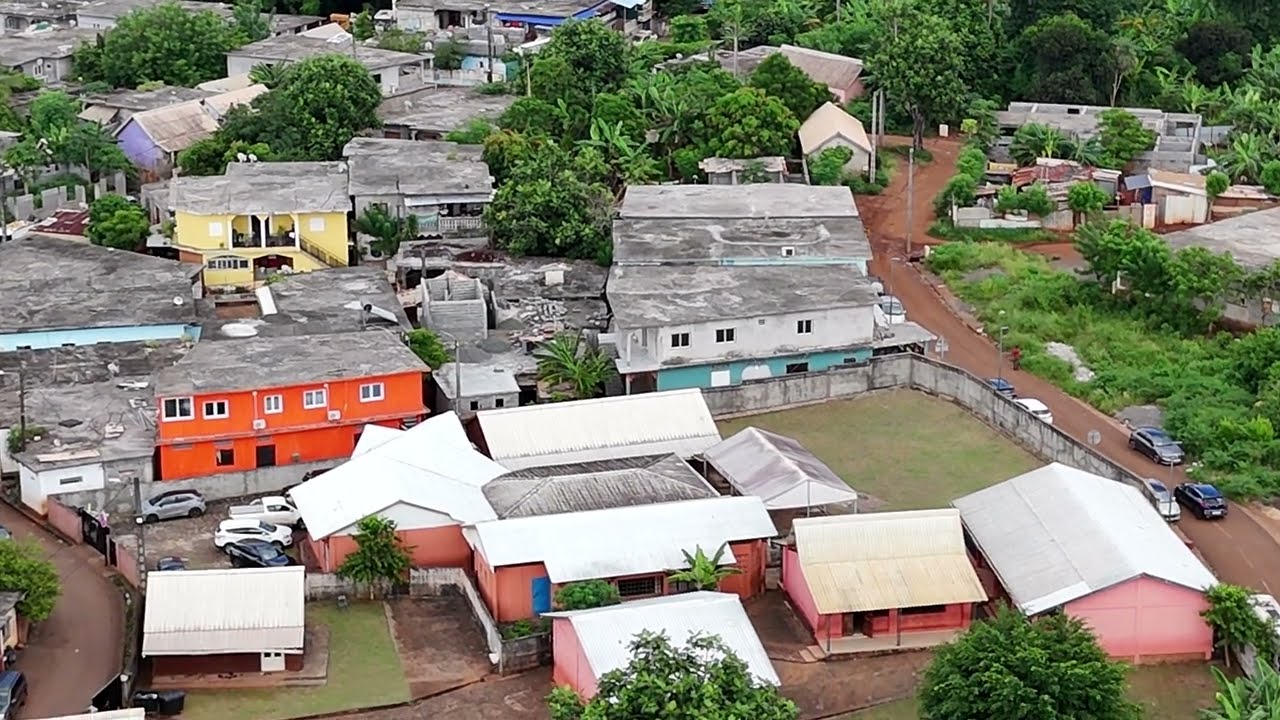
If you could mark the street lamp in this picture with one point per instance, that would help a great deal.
(1000, 360)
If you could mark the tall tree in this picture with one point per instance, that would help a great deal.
(251, 24)
(1123, 137)
(165, 43)
(380, 557)
(1015, 668)
(594, 53)
(549, 209)
(1219, 50)
(778, 78)
(24, 568)
(701, 679)
(1066, 60)
(747, 123)
(55, 135)
(919, 62)
(115, 222)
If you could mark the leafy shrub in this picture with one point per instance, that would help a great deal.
(972, 163)
(827, 167)
(961, 191)
(587, 594)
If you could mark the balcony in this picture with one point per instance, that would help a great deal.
(448, 225)
(242, 240)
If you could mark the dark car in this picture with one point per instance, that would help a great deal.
(1157, 445)
(165, 703)
(1002, 386)
(13, 693)
(251, 553)
(170, 563)
(1203, 500)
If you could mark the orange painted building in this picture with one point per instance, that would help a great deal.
(520, 563)
(238, 405)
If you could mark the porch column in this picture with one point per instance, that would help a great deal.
(263, 222)
(229, 220)
(895, 625)
(297, 230)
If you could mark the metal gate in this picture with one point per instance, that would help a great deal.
(97, 534)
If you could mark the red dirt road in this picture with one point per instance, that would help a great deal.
(1238, 549)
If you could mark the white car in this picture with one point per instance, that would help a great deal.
(1037, 408)
(893, 310)
(273, 509)
(230, 531)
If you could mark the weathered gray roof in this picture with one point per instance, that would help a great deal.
(597, 485)
(722, 202)
(696, 239)
(18, 50)
(477, 380)
(176, 127)
(292, 48)
(657, 296)
(1248, 238)
(50, 283)
(283, 361)
(442, 109)
(139, 100)
(99, 422)
(265, 187)
(778, 470)
(79, 364)
(381, 166)
(830, 69)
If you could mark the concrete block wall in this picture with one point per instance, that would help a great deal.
(464, 319)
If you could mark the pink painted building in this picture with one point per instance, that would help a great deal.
(1058, 538)
(586, 644)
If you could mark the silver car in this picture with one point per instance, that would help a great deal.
(173, 504)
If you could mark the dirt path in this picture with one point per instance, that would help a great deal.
(1238, 549)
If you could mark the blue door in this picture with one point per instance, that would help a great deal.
(541, 595)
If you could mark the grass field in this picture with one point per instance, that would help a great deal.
(1166, 692)
(908, 449)
(364, 670)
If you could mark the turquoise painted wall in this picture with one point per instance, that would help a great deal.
(699, 376)
(92, 336)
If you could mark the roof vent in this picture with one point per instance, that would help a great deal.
(70, 422)
(239, 330)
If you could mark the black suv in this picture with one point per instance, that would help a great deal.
(1203, 500)
(255, 553)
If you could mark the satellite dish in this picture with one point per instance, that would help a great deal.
(239, 330)
(253, 158)
(240, 157)
(177, 301)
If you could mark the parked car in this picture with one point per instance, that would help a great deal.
(274, 509)
(1203, 500)
(1157, 445)
(165, 703)
(1002, 386)
(893, 309)
(251, 553)
(5, 534)
(13, 693)
(876, 284)
(230, 531)
(1037, 408)
(169, 563)
(308, 475)
(1163, 500)
(173, 504)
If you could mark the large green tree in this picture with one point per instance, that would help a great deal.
(24, 568)
(778, 78)
(557, 214)
(1123, 137)
(746, 123)
(115, 222)
(1066, 60)
(700, 679)
(55, 135)
(594, 53)
(1014, 668)
(918, 62)
(1236, 624)
(165, 43)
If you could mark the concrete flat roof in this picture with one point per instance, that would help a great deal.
(21, 49)
(708, 240)
(442, 109)
(91, 423)
(292, 48)
(382, 166)
(265, 187)
(761, 200)
(1250, 238)
(321, 302)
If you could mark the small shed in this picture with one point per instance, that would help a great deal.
(879, 581)
(830, 126)
(1180, 198)
(586, 644)
(205, 622)
(1062, 539)
(468, 388)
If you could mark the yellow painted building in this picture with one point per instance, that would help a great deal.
(259, 218)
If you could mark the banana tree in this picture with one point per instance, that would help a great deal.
(705, 572)
(579, 366)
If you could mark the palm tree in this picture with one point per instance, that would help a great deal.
(704, 571)
(578, 366)
(387, 231)
(269, 74)
(1244, 158)
(1036, 140)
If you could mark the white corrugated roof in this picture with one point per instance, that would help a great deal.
(216, 612)
(1058, 534)
(430, 466)
(676, 421)
(882, 561)
(778, 470)
(605, 634)
(373, 436)
(621, 541)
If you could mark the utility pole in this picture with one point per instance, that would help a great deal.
(875, 136)
(488, 26)
(911, 195)
(142, 534)
(22, 404)
(838, 12)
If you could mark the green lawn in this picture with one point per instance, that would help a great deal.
(364, 670)
(906, 448)
(1167, 692)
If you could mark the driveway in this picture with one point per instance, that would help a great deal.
(1238, 549)
(72, 654)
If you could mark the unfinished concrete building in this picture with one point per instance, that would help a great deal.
(1177, 134)
(453, 304)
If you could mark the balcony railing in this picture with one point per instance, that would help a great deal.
(319, 253)
(239, 240)
(453, 224)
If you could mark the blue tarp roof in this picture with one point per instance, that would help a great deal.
(549, 20)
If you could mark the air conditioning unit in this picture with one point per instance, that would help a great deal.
(335, 414)
(259, 424)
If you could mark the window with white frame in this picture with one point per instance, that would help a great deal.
(804, 327)
(371, 392)
(313, 399)
(273, 404)
(215, 409)
(177, 409)
(215, 229)
(73, 480)
(228, 263)
(725, 335)
(315, 224)
(679, 340)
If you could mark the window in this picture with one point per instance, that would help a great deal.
(679, 340)
(74, 479)
(215, 229)
(797, 368)
(315, 224)
(215, 409)
(925, 610)
(224, 457)
(273, 404)
(178, 409)
(475, 404)
(371, 392)
(499, 402)
(804, 327)
(725, 335)
(788, 251)
(228, 263)
(313, 399)
(638, 587)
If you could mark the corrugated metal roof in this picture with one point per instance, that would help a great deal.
(621, 541)
(176, 127)
(373, 436)
(595, 486)
(881, 561)
(777, 469)
(605, 634)
(830, 121)
(98, 113)
(830, 69)
(215, 612)
(223, 102)
(431, 466)
(1058, 534)
(676, 421)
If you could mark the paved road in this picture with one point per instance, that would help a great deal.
(1238, 549)
(72, 654)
